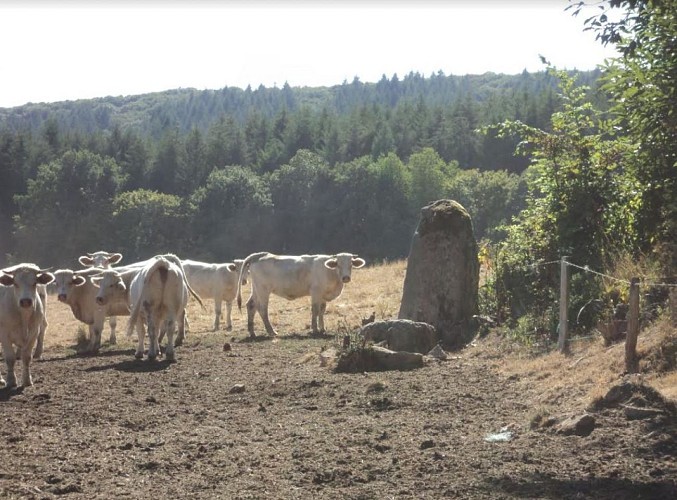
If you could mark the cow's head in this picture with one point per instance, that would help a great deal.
(343, 263)
(101, 259)
(64, 281)
(110, 285)
(25, 279)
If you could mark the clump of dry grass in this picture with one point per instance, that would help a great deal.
(586, 374)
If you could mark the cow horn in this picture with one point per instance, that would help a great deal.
(46, 270)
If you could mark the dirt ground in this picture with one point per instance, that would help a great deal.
(265, 419)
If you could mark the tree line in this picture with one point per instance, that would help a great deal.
(548, 164)
(214, 166)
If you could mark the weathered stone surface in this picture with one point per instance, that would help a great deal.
(580, 425)
(387, 359)
(442, 279)
(401, 335)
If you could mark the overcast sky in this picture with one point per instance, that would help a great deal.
(75, 50)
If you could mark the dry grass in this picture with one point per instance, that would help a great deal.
(587, 373)
(574, 380)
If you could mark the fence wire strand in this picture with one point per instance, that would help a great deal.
(588, 270)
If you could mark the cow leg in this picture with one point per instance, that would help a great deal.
(10, 359)
(229, 308)
(314, 313)
(152, 340)
(26, 357)
(182, 327)
(217, 313)
(95, 337)
(262, 304)
(320, 316)
(251, 309)
(112, 321)
(37, 354)
(141, 334)
(169, 350)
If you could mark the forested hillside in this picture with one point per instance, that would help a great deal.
(217, 174)
(549, 164)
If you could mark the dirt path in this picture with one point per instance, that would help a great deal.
(113, 427)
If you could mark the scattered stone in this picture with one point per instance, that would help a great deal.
(437, 353)
(227, 347)
(401, 335)
(638, 413)
(397, 360)
(581, 425)
(428, 443)
(376, 387)
(237, 389)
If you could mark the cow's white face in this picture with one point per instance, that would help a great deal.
(110, 285)
(101, 259)
(25, 279)
(65, 280)
(343, 263)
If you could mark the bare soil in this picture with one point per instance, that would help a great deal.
(266, 419)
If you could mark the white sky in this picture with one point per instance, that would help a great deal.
(71, 50)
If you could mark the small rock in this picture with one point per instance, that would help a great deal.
(438, 353)
(237, 389)
(638, 413)
(428, 443)
(581, 425)
(227, 347)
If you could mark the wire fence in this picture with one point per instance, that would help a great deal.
(632, 323)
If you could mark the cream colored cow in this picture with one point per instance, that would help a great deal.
(22, 316)
(319, 276)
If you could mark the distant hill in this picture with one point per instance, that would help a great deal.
(185, 109)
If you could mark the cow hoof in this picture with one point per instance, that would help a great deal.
(138, 355)
(169, 356)
(229, 328)
(178, 342)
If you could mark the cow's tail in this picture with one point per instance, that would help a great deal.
(134, 316)
(175, 260)
(255, 257)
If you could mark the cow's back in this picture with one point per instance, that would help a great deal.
(286, 276)
(202, 277)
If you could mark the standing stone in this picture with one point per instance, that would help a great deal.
(442, 279)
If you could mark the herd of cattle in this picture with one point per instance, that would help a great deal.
(154, 294)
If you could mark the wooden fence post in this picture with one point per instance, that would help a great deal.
(563, 306)
(631, 359)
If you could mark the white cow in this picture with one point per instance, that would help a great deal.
(21, 316)
(320, 276)
(114, 286)
(100, 259)
(160, 292)
(76, 289)
(215, 281)
(103, 260)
